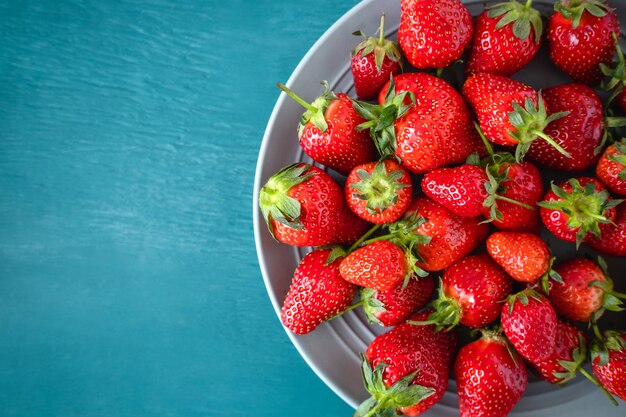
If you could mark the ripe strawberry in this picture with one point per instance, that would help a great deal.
(578, 208)
(524, 256)
(613, 239)
(491, 377)
(609, 363)
(394, 306)
(580, 132)
(316, 294)
(530, 323)
(380, 265)
(423, 121)
(580, 38)
(471, 293)
(569, 355)
(379, 192)
(407, 369)
(328, 131)
(373, 61)
(451, 237)
(611, 168)
(586, 291)
(497, 102)
(506, 38)
(303, 206)
(434, 33)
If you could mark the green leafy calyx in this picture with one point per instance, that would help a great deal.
(379, 46)
(574, 9)
(315, 112)
(379, 188)
(521, 16)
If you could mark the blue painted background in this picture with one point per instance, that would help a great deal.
(129, 132)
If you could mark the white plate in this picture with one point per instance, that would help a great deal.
(332, 350)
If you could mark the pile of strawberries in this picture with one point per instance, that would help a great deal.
(437, 226)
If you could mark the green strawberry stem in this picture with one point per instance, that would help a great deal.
(381, 30)
(551, 142)
(596, 383)
(528, 4)
(484, 139)
(351, 307)
(362, 238)
(296, 98)
(510, 200)
(447, 312)
(315, 112)
(383, 237)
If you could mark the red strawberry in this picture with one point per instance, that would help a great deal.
(609, 363)
(379, 192)
(611, 168)
(506, 38)
(430, 126)
(569, 355)
(509, 113)
(613, 239)
(576, 209)
(394, 306)
(407, 369)
(317, 293)
(380, 265)
(580, 38)
(524, 256)
(434, 33)
(373, 61)
(451, 237)
(303, 206)
(471, 293)
(530, 323)
(586, 291)
(491, 378)
(580, 132)
(328, 131)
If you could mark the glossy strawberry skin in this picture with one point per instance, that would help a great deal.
(575, 299)
(434, 33)
(407, 348)
(524, 256)
(401, 302)
(531, 328)
(567, 340)
(379, 265)
(579, 52)
(612, 375)
(499, 51)
(368, 81)
(608, 171)
(613, 239)
(437, 131)
(342, 146)
(489, 380)
(460, 189)
(479, 286)
(579, 133)
(452, 236)
(317, 293)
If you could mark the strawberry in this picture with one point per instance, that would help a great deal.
(394, 306)
(609, 363)
(379, 192)
(524, 256)
(406, 369)
(372, 62)
(316, 294)
(509, 113)
(580, 38)
(586, 290)
(613, 239)
(530, 323)
(471, 293)
(611, 168)
(568, 357)
(577, 209)
(380, 265)
(506, 38)
(491, 377)
(303, 206)
(434, 33)
(423, 121)
(451, 237)
(328, 131)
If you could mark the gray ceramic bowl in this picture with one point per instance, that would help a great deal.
(332, 350)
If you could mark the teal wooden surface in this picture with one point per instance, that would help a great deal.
(129, 283)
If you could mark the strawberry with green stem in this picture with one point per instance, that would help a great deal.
(608, 361)
(372, 62)
(328, 131)
(613, 238)
(611, 168)
(617, 82)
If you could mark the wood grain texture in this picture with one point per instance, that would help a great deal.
(129, 133)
